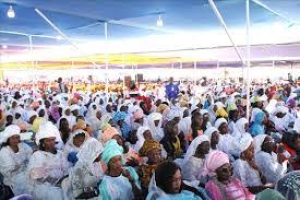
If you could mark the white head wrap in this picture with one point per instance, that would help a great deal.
(89, 151)
(258, 141)
(174, 113)
(240, 124)
(220, 104)
(245, 143)
(141, 138)
(208, 132)
(193, 146)
(8, 132)
(30, 114)
(203, 111)
(74, 107)
(219, 122)
(281, 109)
(153, 117)
(47, 130)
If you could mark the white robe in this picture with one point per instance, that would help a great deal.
(249, 176)
(269, 166)
(13, 165)
(45, 170)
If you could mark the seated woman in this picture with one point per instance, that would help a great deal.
(152, 150)
(197, 122)
(74, 145)
(242, 128)
(143, 133)
(170, 141)
(213, 135)
(119, 182)
(155, 124)
(246, 169)
(194, 160)
(47, 166)
(227, 143)
(167, 184)
(130, 156)
(87, 172)
(271, 164)
(14, 157)
(119, 121)
(65, 131)
(222, 184)
(257, 127)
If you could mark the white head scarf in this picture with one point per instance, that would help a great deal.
(173, 114)
(141, 138)
(240, 124)
(193, 146)
(258, 141)
(219, 122)
(46, 130)
(30, 114)
(9, 132)
(91, 113)
(153, 117)
(89, 151)
(245, 143)
(208, 132)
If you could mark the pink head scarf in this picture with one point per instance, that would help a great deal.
(109, 133)
(215, 160)
(138, 114)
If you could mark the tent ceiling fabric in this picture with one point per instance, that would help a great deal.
(83, 21)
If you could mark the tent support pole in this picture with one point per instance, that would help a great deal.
(223, 24)
(123, 71)
(32, 61)
(248, 57)
(106, 57)
(63, 35)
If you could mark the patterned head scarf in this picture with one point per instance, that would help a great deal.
(149, 145)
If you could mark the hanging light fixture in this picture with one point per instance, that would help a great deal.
(10, 12)
(159, 22)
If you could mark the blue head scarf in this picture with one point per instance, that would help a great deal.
(111, 150)
(257, 128)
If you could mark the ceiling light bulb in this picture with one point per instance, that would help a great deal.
(159, 22)
(10, 12)
(59, 37)
(4, 46)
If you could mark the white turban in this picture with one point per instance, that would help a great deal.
(8, 132)
(193, 146)
(258, 141)
(47, 130)
(208, 132)
(219, 122)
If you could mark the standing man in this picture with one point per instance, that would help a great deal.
(172, 89)
(62, 88)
